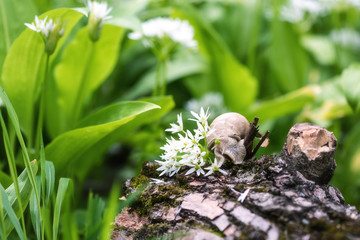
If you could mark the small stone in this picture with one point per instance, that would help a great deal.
(221, 222)
(310, 149)
(204, 207)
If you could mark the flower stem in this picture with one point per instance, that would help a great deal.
(160, 80)
(80, 96)
(40, 122)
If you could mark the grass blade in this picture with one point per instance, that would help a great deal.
(94, 213)
(50, 179)
(110, 212)
(35, 212)
(12, 167)
(11, 213)
(15, 121)
(62, 190)
(2, 221)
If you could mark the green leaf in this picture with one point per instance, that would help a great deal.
(34, 210)
(25, 192)
(93, 218)
(15, 122)
(83, 67)
(5, 179)
(321, 48)
(177, 69)
(235, 81)
(62, 190)
(350, 84)
(283, 105)
(110, 211)
(11, 213)
(13, 15)
(50, 179)
(67, 150)
(23, 69)
(286, 57)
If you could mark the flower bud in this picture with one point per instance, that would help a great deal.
(53, 37)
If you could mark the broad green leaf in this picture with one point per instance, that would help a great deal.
(63, 188)
(13, 15)
(178, 68)
(24, 68)
(23, 72)
(83, 67)
(350, 79)
(287, 58)
(283, 105)
(321, 48)
(25, 192)
(67, 150)
(235, 81)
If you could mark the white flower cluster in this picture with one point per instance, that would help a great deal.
(178, 30)
(43, 26)
(188, 151)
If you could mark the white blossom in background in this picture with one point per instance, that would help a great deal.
(294, 11)
(212, 100)
(188, 150)
(99, 11)
(178, 30)
(346, 37)
(1, 102)
(244, 195)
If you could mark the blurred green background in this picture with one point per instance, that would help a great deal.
(282, 61)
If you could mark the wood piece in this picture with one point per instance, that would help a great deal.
(310, 149)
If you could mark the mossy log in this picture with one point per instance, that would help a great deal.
(288, 198)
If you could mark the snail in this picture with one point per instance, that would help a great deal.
(231, 137)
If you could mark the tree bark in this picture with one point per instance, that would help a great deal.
(274, 197)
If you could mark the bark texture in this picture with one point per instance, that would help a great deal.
(284, 200)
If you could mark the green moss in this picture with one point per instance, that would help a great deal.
(164, 194)
(152, 230)
(139, 181)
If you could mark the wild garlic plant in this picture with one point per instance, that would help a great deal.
(163, 36)
(189, 151)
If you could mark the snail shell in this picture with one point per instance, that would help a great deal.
(231, 130)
